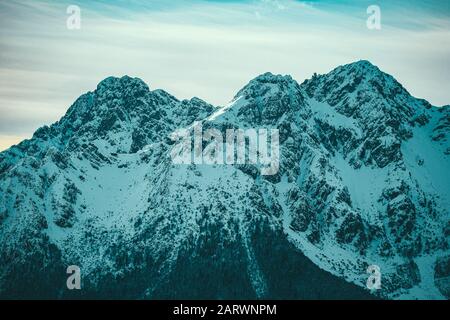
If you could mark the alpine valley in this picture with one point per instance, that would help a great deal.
(364, 179)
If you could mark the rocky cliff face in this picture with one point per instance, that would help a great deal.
(363, 180)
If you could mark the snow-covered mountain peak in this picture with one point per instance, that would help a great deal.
(359, 80)
(363, 180)
(267, 84)
(264, 100)
(363, 70)
(125, 84)
(361, 66)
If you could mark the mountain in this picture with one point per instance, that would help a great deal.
(362, 180)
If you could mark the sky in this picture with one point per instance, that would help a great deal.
(207, 49)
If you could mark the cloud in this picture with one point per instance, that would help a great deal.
(208, 49)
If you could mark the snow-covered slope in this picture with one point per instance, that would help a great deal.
(363, 180)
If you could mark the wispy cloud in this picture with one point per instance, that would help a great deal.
(205, 48)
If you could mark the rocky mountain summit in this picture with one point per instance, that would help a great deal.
(363, 180)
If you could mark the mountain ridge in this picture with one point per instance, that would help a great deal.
(362, 181)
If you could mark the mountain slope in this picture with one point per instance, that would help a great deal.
(362, 181)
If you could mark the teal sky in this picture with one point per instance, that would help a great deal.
(208, 49)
